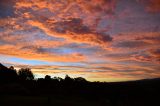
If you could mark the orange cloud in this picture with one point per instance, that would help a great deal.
(70, 20)
(155, 54)
(31, 53)
(150, 55)
(49, 43)
(73, 32)
(50, 30)
(141, 58)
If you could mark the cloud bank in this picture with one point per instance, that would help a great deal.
(95, 39)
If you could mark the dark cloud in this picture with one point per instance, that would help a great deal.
(150, 39)
(100, 5)
(131, 44)
(156, 52)
(151, 5)
(6, 8)
(73, 30)
(74, 25)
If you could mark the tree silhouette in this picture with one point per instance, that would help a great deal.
(58, 79)
(80, 79)
(68, 78)
(48, 77)
(7, 74)
(25, 74)
(11, 68)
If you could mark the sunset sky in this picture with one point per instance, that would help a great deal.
(100, 40)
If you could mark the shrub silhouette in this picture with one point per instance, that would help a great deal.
(25, 74)
(47, 77)
(68, 78)
(80, 79)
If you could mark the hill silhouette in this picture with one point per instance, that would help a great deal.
(20, 88)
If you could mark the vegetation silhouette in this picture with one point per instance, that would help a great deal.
(25, 74)
(21, 88)
(7, 74)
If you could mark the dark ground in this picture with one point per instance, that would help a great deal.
(22, 90)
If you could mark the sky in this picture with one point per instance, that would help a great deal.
(100, 40)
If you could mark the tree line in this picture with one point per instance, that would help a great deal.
(130, 93)
(24, 74)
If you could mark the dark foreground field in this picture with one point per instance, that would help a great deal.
(15, 100)
(61, 101)
(44, 101)
(137, 93)
(23, 90)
